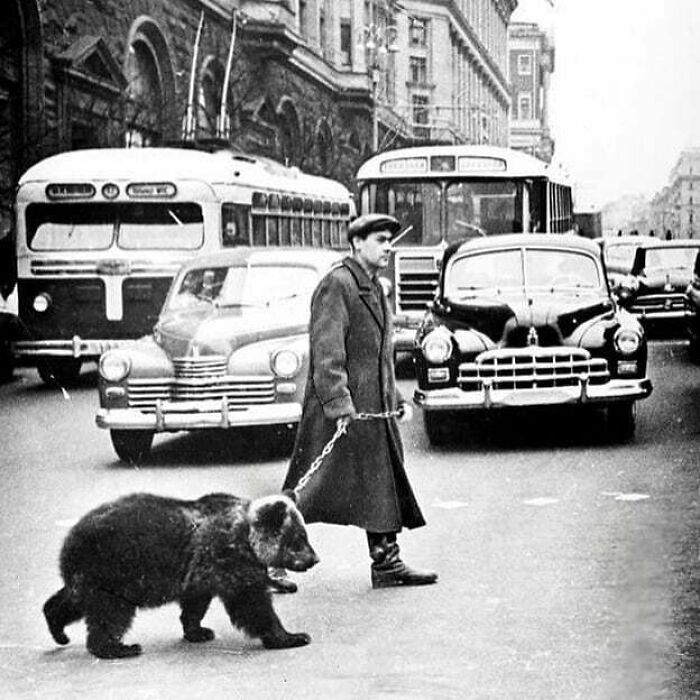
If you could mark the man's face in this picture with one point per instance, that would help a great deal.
(374, 250)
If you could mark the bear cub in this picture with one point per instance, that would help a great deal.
(143, 550)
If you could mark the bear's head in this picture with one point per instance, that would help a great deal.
(277, 534)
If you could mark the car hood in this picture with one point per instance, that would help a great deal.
(507, 319)
(221, 331)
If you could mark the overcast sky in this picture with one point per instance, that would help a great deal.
(625, 95)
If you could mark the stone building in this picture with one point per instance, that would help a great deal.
(320, 84)
(675, 210)
(531, 63)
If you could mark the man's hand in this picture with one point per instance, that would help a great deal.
(405, 413)
(344, 421)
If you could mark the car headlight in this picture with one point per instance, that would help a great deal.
(285, 363)
(41, 302)
(437, 347)
(114, 366)
(627, 341)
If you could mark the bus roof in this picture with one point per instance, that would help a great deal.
(173, 164)
(475, 161)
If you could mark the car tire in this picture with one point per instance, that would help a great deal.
(438, 427)
(59, 372)
(694, 349)
(132, 446)
(621, 420)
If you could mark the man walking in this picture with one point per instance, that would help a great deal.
(362, 481)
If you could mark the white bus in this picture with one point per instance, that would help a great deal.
(100, 234)
(446, 194)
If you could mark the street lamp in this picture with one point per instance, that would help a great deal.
(378, 42)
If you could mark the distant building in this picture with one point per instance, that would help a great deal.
(531, 63)
(676, 209)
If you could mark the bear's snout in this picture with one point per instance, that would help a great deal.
(302, 561)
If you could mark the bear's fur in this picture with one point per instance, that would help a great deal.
(142, 551)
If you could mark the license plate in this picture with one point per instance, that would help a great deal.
(535, 397)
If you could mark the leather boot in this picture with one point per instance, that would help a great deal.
(389, 570)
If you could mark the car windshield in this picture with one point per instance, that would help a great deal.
(494, 272)
(246, 286)
(620, 256)
(669, 259)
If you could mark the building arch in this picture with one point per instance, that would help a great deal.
(151, 116)
(324, 147)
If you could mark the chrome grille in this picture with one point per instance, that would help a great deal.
(658, 303)
(417, 278)
(239, 391)
(200, 367)
(532, 367)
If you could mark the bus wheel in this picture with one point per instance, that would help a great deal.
(59, 372)
(132, 446)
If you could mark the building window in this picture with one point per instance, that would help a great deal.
(524, 106)
(418, 32)
(420, 110)
(525, 64)
(345, 42)
(303, 19)
(418, 69)
(322, 38)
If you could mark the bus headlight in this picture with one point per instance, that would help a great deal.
(114, 366)
(285, 363)
(41, 302)
(627, 341)
(437, 347)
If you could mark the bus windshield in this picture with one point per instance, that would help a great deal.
(133, 225)
(472, 208)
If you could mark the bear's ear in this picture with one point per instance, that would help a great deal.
(290, 494)
(272, 515)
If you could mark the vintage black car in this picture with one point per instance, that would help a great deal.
(527, 320)
(692, 320)
(618, 255)
(230, 349)
(655, 290)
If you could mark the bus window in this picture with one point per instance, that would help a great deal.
(172, 225)
(234, 225)
(481, 208)
(414, 204)
(70, 226)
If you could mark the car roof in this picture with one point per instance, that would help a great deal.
(243, 255)
(673, 243)
(538, 240)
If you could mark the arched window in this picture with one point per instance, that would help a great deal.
(324, 147)
(288, 132)
(210, 86)
(150, 88)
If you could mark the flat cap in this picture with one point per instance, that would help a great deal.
(363, 225)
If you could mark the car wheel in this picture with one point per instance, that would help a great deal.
(621, 419)
(694, 349)
(132, 446)
(7, 363)
(59, 372)
(437, 427)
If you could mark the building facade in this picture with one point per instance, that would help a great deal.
(321, 84)
(531, 63)
(675, 210)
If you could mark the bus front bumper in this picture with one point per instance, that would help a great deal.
(454, 399)
(75, 348)
(193, 415)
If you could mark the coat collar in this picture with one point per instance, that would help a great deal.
(368, 290)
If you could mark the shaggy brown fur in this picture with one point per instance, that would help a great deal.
(143, 551)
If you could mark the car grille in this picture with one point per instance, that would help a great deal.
(417, 280)
(200, 367)
(658, 303)
(201, 379)
(534, 367)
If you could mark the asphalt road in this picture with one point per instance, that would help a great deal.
(569, 566)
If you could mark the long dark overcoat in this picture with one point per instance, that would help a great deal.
(363, 481)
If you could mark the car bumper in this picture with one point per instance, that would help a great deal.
(452, 398)
(186, 415)
(645, 315)
(75, 348)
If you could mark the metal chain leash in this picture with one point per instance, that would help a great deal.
(328, 447)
